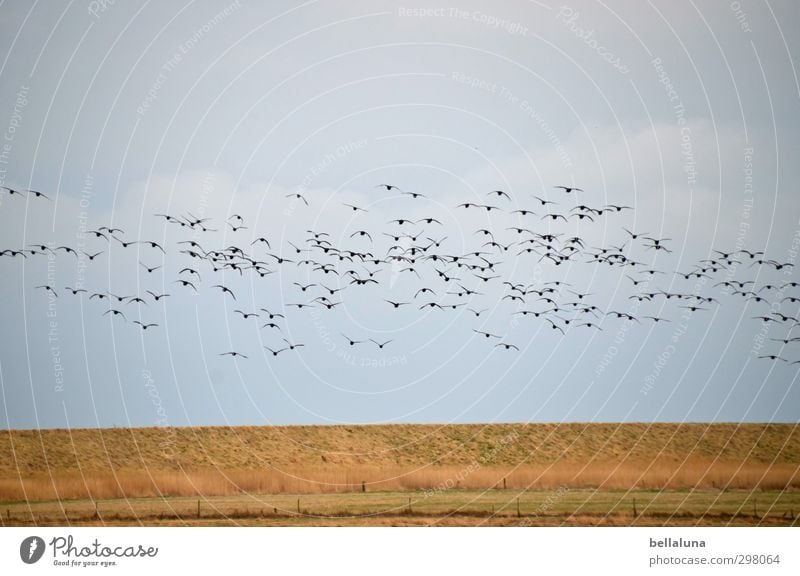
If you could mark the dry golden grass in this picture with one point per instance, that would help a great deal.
(453, 507)
(144, 462)
(325, 480)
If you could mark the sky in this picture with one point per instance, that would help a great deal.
(686, 112)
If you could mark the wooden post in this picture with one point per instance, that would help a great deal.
(634, 508)
(298, 505)
(518, 514)
(96, 513)
(198, 507)
(504, 483)
(363, 486)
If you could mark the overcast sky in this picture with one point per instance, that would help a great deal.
(118, 111)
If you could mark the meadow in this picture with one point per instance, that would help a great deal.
(496, 474)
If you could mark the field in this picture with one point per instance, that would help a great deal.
(509, 474)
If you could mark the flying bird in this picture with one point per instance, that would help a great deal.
(225, 290)
(48, 289)
(544, 202)
(351, 341)
(298, 196)
(275, 352)
(486, 334)
(774, 357)
(185, 283)
(555, 326)
(388, 187)
(157, 297)
(233, 354)
(292, 346)
(148, 268)
(507, 346)
(12, 191)
(361, 233)
(115, 312)
(499, 193)
(38, 194)
(355, 208)
(246, 315)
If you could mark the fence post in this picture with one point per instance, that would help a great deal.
(504, 483)
(96, 512)
(198, 507)
(298, 505)
(518, 514)
(635, 514)
(363, 486)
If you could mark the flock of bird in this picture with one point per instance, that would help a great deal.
(347, 268)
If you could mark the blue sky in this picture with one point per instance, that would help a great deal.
(686, 112)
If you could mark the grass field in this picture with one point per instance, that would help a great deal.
(447, 508)
(537, 474)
